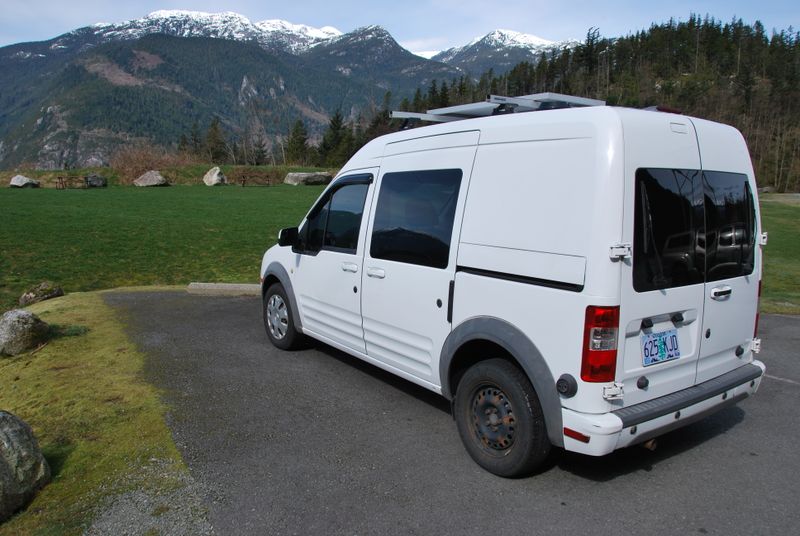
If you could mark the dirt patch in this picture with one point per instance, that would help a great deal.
(307, 111)
(112, 73)
(145, 60)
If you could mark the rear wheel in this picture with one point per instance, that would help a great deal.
(278, 320)
(500, 419)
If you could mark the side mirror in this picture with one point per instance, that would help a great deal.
(287, 237)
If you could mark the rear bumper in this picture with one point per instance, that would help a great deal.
(635, 424)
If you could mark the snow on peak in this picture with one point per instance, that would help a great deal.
(427, 54)
(277, 25)
(223, 25)
(200, 16)
(511, 38)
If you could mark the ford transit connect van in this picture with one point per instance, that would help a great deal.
(585, 277)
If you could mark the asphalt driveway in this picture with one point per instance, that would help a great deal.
(317, 442)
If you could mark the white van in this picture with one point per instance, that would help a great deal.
(585, 278)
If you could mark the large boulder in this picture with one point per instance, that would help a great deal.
(307, 178)
(93, 180)
(21, 181)
(21, 330)
(151, 178)
(23, 469)
(215, 177)
(43, 291)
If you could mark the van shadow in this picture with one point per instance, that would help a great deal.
(411, 389)
(603, 469)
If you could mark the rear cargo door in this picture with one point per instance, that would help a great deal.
(732, 274)
(662, 285)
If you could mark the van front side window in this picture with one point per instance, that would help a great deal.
(334, 223)
(414, 217)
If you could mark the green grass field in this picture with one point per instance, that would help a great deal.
(123, 236)
(780, 217)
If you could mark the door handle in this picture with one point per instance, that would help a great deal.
(377, 273)
(350, 267)
(720, 293)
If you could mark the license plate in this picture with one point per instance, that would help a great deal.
(659, 347)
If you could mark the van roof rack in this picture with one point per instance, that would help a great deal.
(498, 105)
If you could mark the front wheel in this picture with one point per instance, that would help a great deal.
(500, 420)
(278, 320)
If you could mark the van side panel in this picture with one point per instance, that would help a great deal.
(546, 210)
(532, 196)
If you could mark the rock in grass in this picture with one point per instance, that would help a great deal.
(307, 178)
(151, 178)
(93, 180)
(45, 290)
(21, 181)
(21, 330)
(215, 177)
(23, 469)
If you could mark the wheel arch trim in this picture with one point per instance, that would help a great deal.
(522, 349)
(277, 270)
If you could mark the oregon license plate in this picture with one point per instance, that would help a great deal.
(659, 347)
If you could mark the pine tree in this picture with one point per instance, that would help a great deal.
(183, 144)
(195, 143)
(260, 153)
(215, 147)
(331, 139)
(297, 147)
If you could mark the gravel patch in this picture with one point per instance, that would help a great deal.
(176, 509)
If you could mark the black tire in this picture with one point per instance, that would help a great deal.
(278, 319)
(500, 419)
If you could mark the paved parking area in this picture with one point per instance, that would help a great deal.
(317, 442)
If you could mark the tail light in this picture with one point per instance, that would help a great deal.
(600, 333)
(758, 310)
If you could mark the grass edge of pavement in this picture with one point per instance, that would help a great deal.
(99, 423)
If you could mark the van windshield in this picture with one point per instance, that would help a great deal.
(691, 227)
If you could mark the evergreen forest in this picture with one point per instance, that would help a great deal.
(730, 72)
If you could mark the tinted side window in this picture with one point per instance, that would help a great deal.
(730, 225)
(334, 222)
(668, 244)
(414, 217)
(344, 218)
(314, 230)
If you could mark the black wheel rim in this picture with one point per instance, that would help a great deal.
(493, 420)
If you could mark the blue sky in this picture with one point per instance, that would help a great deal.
(417, 24)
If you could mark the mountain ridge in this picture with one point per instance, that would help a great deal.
(72, 99)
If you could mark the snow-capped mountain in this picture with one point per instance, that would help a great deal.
(271, 34)
(500, 50)
(372, 54)
(190, 67)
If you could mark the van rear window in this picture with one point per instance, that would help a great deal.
(691, 227)
(668, 218)
(730, 223)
